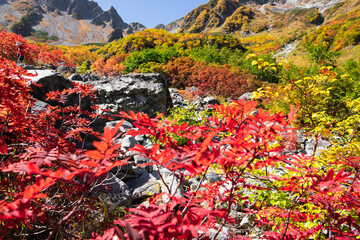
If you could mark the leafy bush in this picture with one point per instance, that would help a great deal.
(83, 68)
(186, 115)
(111, 67)
(328, 103)
(262, 44)
(222, 80)
(156, 55)
(293, 206)
(212, 54)
(264, 66)
(80, 54)
(153, 38)
(322, 55)
(34, 53)
(38, 182)
(42, 35)
(53, 38)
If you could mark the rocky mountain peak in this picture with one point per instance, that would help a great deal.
(112, 10)
(77, 21)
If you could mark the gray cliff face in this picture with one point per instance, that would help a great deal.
(111, 16)
(116, 20)
(62, 5)
(85, 9)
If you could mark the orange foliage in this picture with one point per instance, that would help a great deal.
(110, 67)
(218, 80)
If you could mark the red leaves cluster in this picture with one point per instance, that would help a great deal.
(111, 66)
(15, 103)
(218, 80)
(42, 172)
(168, 221)
(45, 180)
(34, 53)
(246, 145)
(335, 194)
(238, 140)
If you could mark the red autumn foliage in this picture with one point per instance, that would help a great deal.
(34, 53)
(218, 80)
(45, 181)
(111, 66)
(42, 171)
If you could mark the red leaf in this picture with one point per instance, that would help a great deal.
(145, 164)
(107, 134)
(330, 174)
(112, 149)
(101, 146)
(194, 231)
(89, 163)
(29, 192)
(115, 130)
(339, 175)
(207, 141)
(40, 195)
(33, 168)
(95, 154)
(132, 233)
(292, 114)
(293, 169)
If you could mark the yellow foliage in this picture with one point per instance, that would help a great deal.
(80, 54)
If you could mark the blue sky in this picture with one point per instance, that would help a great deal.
(151, 13)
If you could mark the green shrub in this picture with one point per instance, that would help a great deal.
(157, 55)
(212, 54)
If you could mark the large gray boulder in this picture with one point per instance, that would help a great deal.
(140, 92)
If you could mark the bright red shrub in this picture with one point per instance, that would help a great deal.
(34, 53)
(15, 104)
(218, 80)
(40, 178)
(180, 70)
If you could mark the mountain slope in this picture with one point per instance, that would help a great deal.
(249, 16)
(69, 21)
